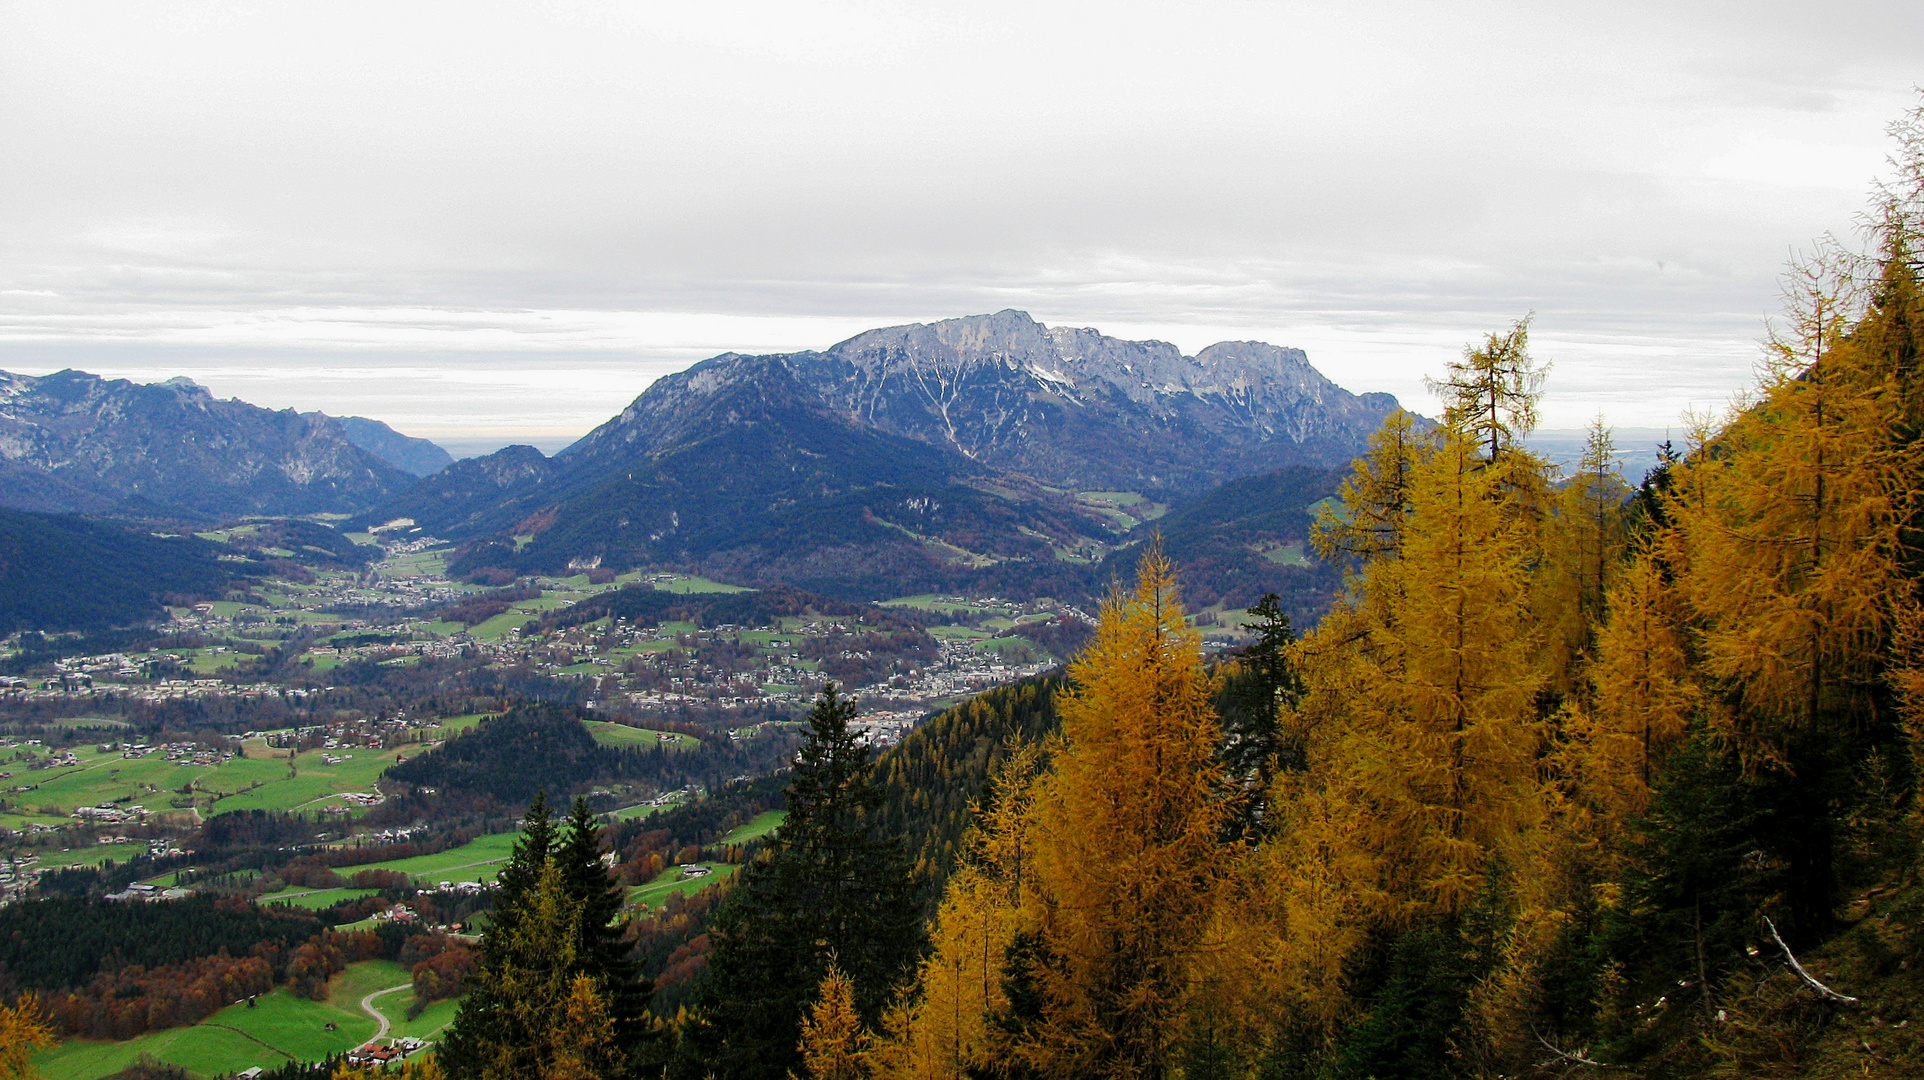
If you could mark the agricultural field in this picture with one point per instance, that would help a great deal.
(670, 882)
(315, 899)
(611, 734)
(479, 859)
(260, 780)
(762, 825)
(688, 583)
(279, 1028)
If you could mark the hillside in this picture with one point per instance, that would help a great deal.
(757, 481)
(68, 573)
(1246, 538)
(416, 457)
(71, 442)
(968, 455)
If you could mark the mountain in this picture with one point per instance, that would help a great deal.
(1070, 407)
(74, 442)
(736, 467)
(920, 457)
(416, 457)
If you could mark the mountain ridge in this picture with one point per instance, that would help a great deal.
(1069, 406)
(75, 442)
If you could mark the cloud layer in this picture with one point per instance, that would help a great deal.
(485, 223)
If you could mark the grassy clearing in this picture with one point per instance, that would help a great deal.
(316, 899)
(346, 990)
(671, 883)
(611, 734)
(479, 859)
(762, 825)
(432, 1021)
(688, 583)
(280, 1028)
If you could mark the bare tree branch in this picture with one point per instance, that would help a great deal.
(1822, 990)
(1577, 1058)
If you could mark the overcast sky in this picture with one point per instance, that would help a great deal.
(492, 223)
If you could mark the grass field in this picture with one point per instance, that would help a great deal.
(479, 859)
(280, 1028)
(259, 781)
(612, 734)
(670, 882)
(315, 899)
(762, 825)
(685, 583)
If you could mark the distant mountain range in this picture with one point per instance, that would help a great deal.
(74, 442)
(1070, 407)
(957, 454)
(989, 453)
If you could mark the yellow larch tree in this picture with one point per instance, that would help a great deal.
(1071, 943)
(1434, 696)
(23, 1029)
(584, 1040)
(834, 1043)
(1642, 696)
(1125, 842)
(946, 1029)
(1373, 501)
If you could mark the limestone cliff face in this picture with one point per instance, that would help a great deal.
(1070, 407)
(71, 441)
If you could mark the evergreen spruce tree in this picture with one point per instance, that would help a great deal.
(600, 953)
(466, 1044)
(552, 940)
(1264, 690)
(833, 890)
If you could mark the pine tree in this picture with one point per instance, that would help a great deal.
(832, 888)
(603, 957)
(465, 1049)
(1265, 691)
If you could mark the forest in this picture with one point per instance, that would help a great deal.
(1573, 777)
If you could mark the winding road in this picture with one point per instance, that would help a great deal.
(367, 1006)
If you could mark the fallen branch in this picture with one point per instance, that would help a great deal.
(1822, 990)
(1574, 1059)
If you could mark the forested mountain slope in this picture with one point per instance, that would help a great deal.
(60, 572)
(759, 482)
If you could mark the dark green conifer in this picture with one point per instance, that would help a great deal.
(832, 888)
(1254, 742)
(600, 951)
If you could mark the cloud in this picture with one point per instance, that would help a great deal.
(489, 221)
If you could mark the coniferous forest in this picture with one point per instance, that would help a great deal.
(1574, 777)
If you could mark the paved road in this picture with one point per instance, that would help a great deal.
(367, 1006)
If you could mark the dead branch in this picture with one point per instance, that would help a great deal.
(1822, 990)
(1575, 1059)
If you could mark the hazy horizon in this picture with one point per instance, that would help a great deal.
(487, 225)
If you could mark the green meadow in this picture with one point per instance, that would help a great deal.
(670, 883)
(479, 859)
(279, 1028)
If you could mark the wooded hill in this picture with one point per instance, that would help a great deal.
(60, 572)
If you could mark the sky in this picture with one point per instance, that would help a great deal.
(493, 223)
